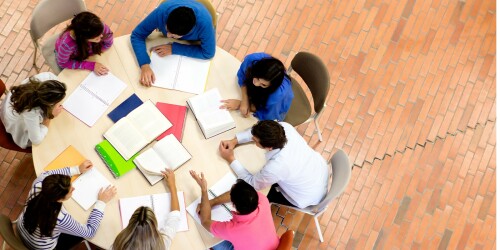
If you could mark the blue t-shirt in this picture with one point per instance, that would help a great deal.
(202, 31)
(278, 102)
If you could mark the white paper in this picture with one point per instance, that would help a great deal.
(180, 72)
(87, 187)
(161, 208)
(93, 96)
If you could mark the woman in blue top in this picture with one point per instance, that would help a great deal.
(266, 89)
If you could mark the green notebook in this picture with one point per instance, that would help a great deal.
(116, 164)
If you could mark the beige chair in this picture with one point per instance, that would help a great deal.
(46, 15)
(315, 75)
(340, 176)
(9, 236)
(286, 241)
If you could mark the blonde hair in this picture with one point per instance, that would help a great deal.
(141, 232)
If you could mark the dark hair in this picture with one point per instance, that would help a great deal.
(86, 25)
(43, 208)
(180, 21)
(244, 197)
(36, 94)
(269, 69)
(270, 134)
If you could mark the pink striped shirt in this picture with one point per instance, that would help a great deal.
(66, 47)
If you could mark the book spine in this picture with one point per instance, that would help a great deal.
(107, 161)
(94, 95)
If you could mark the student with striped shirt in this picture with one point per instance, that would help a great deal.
(87, 35)
(45, 224)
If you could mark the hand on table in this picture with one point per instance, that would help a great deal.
(163, 50)
(230, 104)
(226, 152)
(85, 166)
(147, 75)
(244, 109)
(106, 194)
(100, 69)
(229, 144)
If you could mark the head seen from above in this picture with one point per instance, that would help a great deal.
(244, 197)
(141, 232)
(87, 28)
(262, 78)
(269, 135)
(43, 208)
(36, 94)
(180, 22)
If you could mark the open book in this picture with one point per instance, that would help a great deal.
(180, 73)
(166, 153)
(211, 119)
(160, 203)
(220, 212)
(134, 131)
(87, 187)
(93, 97)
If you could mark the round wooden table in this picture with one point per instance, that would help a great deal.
(67, 130)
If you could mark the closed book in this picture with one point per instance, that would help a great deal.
(125, 107)
(116, 164)
(176, 114)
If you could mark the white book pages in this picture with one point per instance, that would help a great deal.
(171, 152)
(125, 138)
(87, 187)
(180, 72)
(150, 162)
(165, 70)
(93, 96)
(148, 119)
(160, 203)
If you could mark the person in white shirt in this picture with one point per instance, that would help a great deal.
(27, 109)
(298, 174)
(144, 232)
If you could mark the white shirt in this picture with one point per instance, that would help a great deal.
(301, 172)
(26, 128)
(169, 226)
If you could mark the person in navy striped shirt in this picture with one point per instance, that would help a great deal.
(45, 224)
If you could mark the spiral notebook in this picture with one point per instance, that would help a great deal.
(93, 97)
(160, 203)
(113, 160)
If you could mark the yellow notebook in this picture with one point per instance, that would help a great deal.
(69, 157)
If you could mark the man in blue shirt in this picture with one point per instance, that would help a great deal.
(178, 19)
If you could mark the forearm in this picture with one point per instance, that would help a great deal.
(221, 199)
(107, 41)
(205, 210)
(244, 95)
(174, 199)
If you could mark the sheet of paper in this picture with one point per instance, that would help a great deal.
(165, 70)
(107, 87)
(218, 213)
(192, 75)
(87, 188)
(84, 106)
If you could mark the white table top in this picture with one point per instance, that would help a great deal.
(67, 130)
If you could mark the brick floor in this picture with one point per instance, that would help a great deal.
(412, 102)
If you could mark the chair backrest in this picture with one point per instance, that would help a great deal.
(341, 174)
(8, 234)
(315, 74)
(49, 13)
(286, 241)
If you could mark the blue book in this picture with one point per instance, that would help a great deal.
(125, 107)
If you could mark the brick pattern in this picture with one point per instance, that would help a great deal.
(410, 80)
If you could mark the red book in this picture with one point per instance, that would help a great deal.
(176, 114)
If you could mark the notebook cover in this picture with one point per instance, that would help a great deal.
(116, 164)
(176, 114)
(125, 108)
(67, 158)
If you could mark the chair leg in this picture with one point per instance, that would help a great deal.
(34, 60)
(3, 245)
(87, 244)
(320, 234)
(318, 130)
